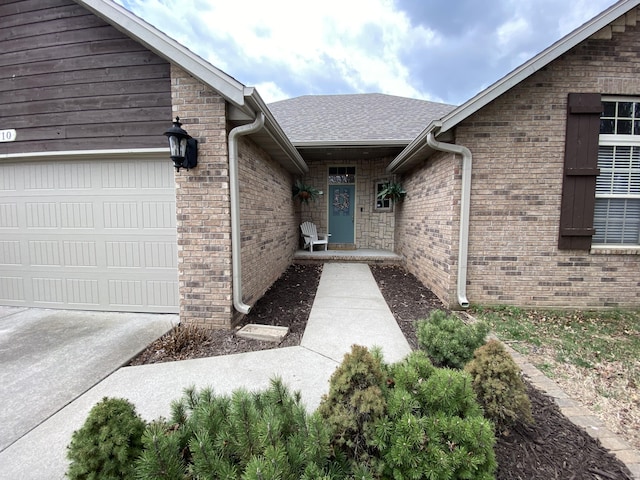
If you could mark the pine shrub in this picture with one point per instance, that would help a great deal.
(449, 341)
(498, 385)
(434, 427)
(107, 444)
(354, 402)
(248, 435)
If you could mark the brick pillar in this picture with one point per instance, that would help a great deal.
(202, 207)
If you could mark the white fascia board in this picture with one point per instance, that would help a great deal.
(273, 128)
(167, 48)
(418, 145)
(86, 154)
(448, 122)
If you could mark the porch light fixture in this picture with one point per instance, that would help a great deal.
(183, 149)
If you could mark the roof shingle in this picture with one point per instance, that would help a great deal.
(358, 118)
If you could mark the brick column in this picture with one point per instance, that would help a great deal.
(202, 207)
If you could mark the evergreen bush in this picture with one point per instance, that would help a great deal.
(354, 403)
(248, 435)
(498, 385)
(434, 427)
(449, 341)
(107, 444)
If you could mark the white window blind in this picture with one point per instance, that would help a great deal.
(617, 208)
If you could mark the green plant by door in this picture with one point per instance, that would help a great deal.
(392, 190)
(305, 193)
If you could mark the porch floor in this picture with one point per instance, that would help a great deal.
(362, 255)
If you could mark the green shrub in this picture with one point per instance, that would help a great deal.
(249, 435)
(108, 442)
(449, 341)
(434, 427)
(354, 402)
(499, 386)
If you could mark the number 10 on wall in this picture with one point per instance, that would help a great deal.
(7, 135)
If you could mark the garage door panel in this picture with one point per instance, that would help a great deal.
(78, 253)
(161, 255)
(10, 252)
(44, 252)
(112, 247)
(12, 290)
(8, 215)
(82, 292)
(116, 290)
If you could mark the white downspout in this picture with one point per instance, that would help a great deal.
(465, 202)
(234, 197)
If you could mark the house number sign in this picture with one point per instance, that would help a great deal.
(7, 135)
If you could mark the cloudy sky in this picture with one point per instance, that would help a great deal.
(439, 50)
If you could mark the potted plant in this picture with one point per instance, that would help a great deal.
(394, 191)
(304, 193)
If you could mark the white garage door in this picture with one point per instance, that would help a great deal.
(89, 234)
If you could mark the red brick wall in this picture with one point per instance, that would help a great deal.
(517, 143)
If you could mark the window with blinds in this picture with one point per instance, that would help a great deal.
(617, 208)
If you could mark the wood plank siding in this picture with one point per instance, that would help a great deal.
(70, 81)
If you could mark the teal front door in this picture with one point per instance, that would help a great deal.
(342, 213)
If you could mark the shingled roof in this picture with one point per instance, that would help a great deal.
(358, 119)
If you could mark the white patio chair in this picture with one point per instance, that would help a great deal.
(311, 236)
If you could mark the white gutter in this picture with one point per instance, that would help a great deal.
(465, 202)
(234, 196)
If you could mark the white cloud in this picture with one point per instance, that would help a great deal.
(290, 47)
(512, 31)
(270, 92)
(362, 38)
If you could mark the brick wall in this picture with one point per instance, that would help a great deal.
(202, 206)
(426, 233)
(517, 143)
(268, 219)
(374, 228)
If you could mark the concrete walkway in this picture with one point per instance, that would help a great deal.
(348, 309)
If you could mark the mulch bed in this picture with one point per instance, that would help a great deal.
(552, 448)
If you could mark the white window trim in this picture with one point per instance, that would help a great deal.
(608, 140)
(381, 209)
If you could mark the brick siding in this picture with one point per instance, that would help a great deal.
(426, 224)
(202, 206)
(268, 220)
(517, 142)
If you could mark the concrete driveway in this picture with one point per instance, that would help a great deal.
(48, 358)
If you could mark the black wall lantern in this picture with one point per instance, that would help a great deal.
(183, 149)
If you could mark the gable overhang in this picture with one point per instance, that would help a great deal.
(244, 102)
(272, 138)
(443, 128)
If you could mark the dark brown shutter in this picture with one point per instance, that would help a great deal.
(580, 171)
